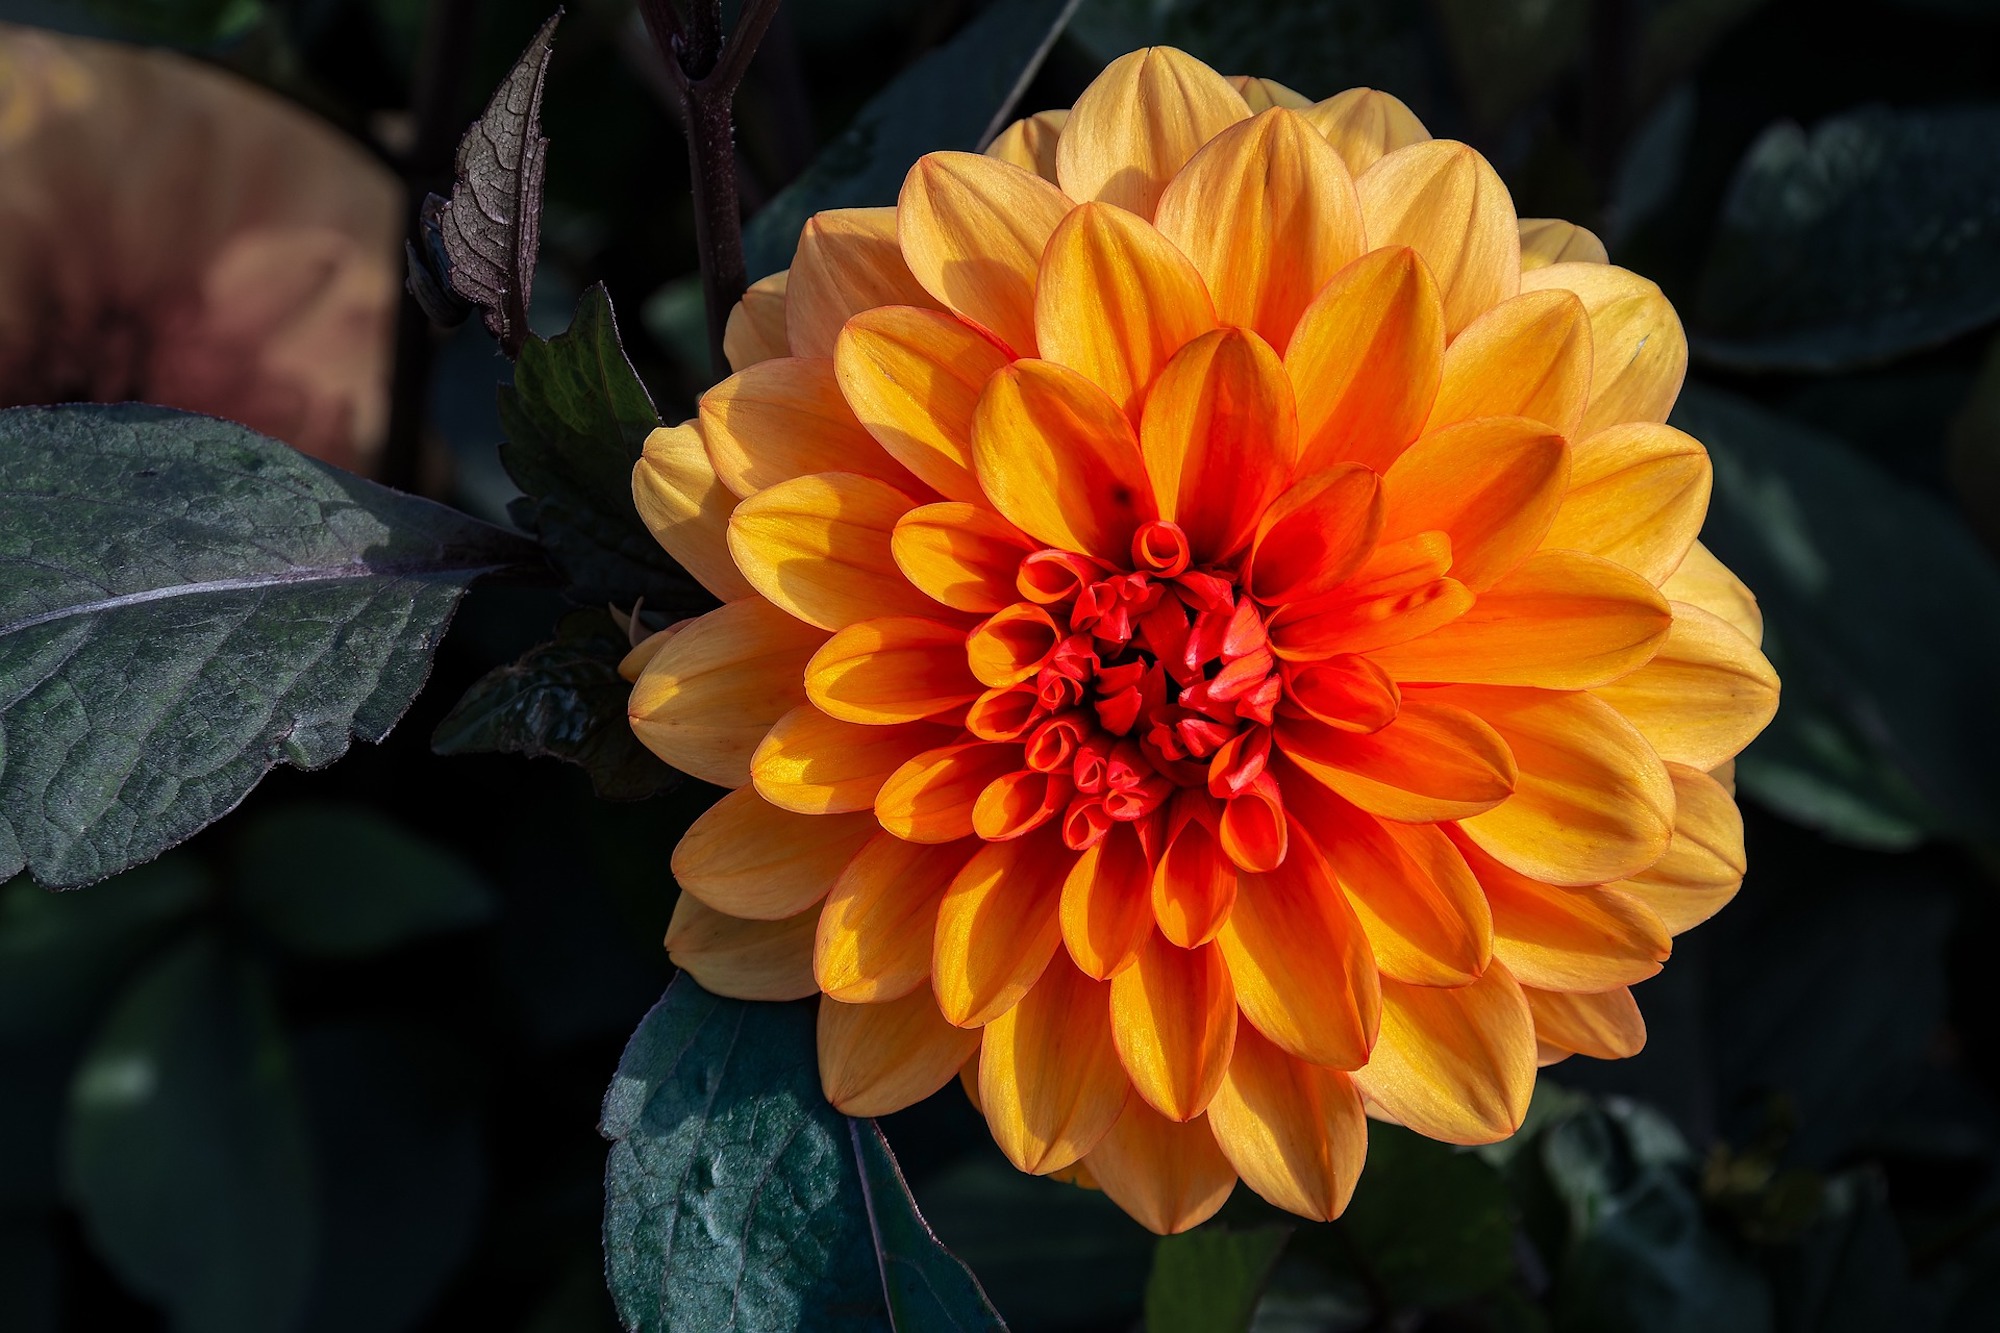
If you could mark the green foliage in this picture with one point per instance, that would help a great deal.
(183, 605)
(1208, 1281)
(1428, 1224)
(801, 1216)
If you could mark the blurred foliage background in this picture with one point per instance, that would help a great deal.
(335, 1064)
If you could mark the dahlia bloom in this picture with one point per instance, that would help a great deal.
(1213, 643)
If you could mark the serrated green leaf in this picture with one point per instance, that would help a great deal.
(1208, 1280)
(187, 1154)
(1875, 235)
(338, 881)
(563, 700)
(955, 97)
(185, 604)
(735, 1197)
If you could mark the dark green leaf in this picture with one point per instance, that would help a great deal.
(1508, 52)
(563, 700)
(187, 1152)
(342, 881)
(1429, 1222)
(491, 228)
(1875, 235)
(184, 604)
(576, 419)
(955, 97)
(180, 22)
(33, 1094)
(28, 1275)
(1208, 1281)
(736, 1197)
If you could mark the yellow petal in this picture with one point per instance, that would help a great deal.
(706, 700)
(748, 858)
(1267, 212)
(1592, 802)
(912, 378)
(1173, 1018)
(818, 765)
(1527, 357)
(1638, 353)
(1107, 909)
(1167, 1174)
(1703, 865)
(1492, 485)
(633, 664)
(1432, 762)
(1364, 124)
(1567, 938)
(932, 797)
(876, 1059)
(998, 926)
(1454, 1063)
(1637, 495)
(848, 261)
(973, 230)
(1295, 1132)
(1546, 241)
(1364, 361)
(1703, 697)
(1263, 94)
(686, 508)
(1220, 439)
(1605, 1025)
(1050, 1084)
(1445, 201)
(874, 936)
(744, 960)
(963, 556)
(1057, 457)
(1030, 143)
(896, 669)
(1138, 123)
(818, 546)
(1702, 580)
(785, 418)
(756, 328)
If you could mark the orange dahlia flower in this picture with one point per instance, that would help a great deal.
(1213, 643)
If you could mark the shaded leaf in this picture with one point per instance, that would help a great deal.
(187, 1154)
(183, 605)
(491, 227)
(1509, 52)
(1208, 1280)
(957, 96)
(1875, 235)
(340, 881)
(1430, 1223)
(735, 1197)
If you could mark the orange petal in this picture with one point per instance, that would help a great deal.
(1528, 357)
(1253, 830)
(1303, 972)
(1347, 692)
(1364, 124)
(1424, 915)
(1492, 485)
(998, 926)
(874, 936)
(1592, 802)
(1546, 241)
(1639, 352)
(1057, 457)
(1167, 1174)
(1567, 939)
(1703, 697)
(1316, 534)
(1263, 94)
(876, 1059)
(1220, 439)
(818, 546)
(1606, 1025)
(707, 698)
(961, 555)
(1295, 1132)
(1011, 645)
(1702, 580)
(1454, 1063)
(1364, 361)
(1030, 143)
(848, 261)
(973, 229)
(1050, 1084)
(932, 797)
(1107, 906)
(1369, 614)
(1560, 619)
(1703, 865)
(687, 508)
(744, 960)
(785, 418)
(756, 328)
(1444, 201)
(1138, 123)
(1194, 883)
(1433, 762)
(1173, 1018)
(1115, 300)
(1017, 803)
(897, 669)
(1267, 212)
(748, 858)
(912, 378)
(1637, 495)
(818, 765)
